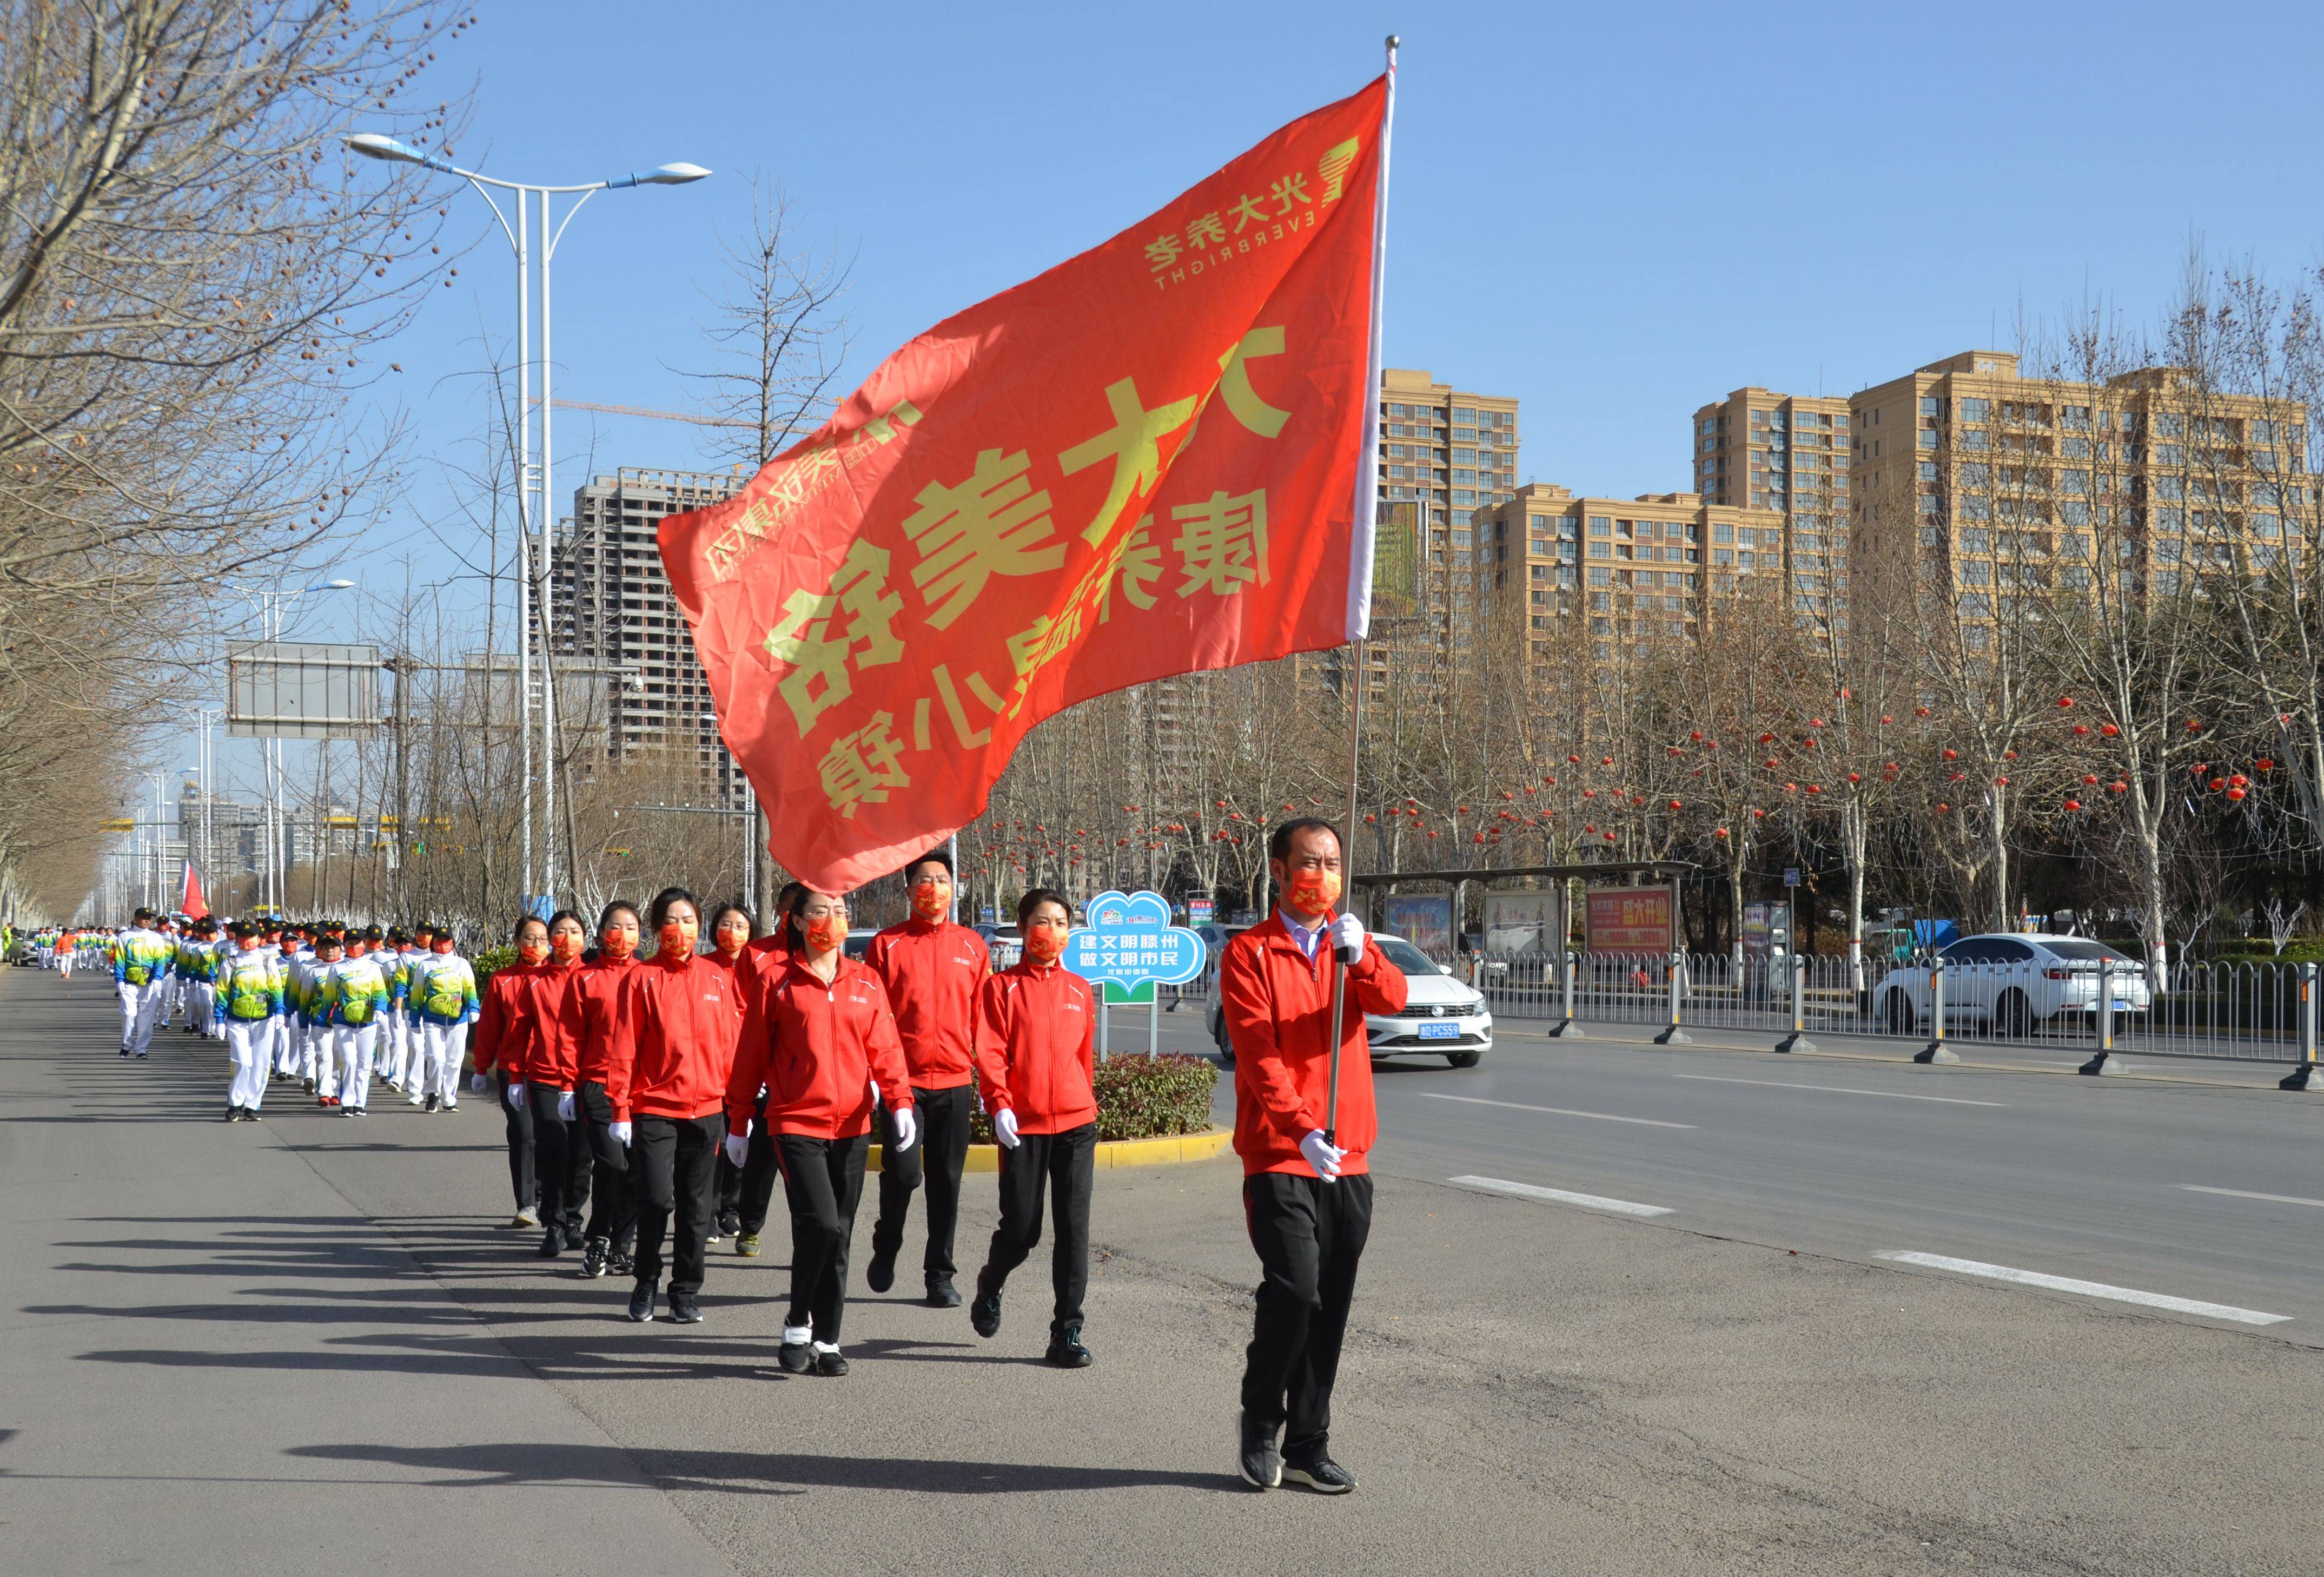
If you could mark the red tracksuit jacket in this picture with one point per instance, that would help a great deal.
(934, 973)
(673, 1044)
(1277, 1004)
(586, 1016)
(504, 1021)
(551, 1054)
(817, 1049)
(1037, 1047)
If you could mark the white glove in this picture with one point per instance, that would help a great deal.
(516, 1096)
(1347, 938)
(738, 1148)
(1325, 1157)
(620, 1132)
(564, 1105)
(478, 1084)
(907, 1129)
(1004, 1129)
(875, 1091)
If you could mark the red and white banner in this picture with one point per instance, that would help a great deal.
(1157, 458)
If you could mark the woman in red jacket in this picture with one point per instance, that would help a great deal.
(561, 1160)
(667, 1076)
(1035, 1057)
(821, 1037)
(504, 1025)
(730, 930)
(587, 1024)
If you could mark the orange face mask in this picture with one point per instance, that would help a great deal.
(826, 933)
(566, 946)
(1313, 892)
(731, 942)
(1044, 945)
(674, 943)
(443, 946)
(531, 951)
(616, 944)
(930, 901)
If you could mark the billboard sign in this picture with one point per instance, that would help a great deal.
(1629, 920)
(1520, 922)
(1126, 945)
(280, 689)
(1422, 919)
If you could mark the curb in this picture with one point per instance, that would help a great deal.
(1120, 1152)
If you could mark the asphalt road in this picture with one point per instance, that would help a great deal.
(308, 1346)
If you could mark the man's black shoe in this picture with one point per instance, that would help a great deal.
(1262, 1464)
(794, 1357)
(429, 1105)
(233, 1114)
(830, 1365)
(943, 1293)
(880, 1274)
(1066, 1352)
(730, 1221)
(684, 1309)
(307, 1086)
(552, 1242)
(641, 1300)
(984, 1313)
(124, 1053)
(1321, 1474)
(573, 1239)
(593, 1258)
(621, 1264)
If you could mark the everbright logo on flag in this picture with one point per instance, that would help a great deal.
(1157, 457)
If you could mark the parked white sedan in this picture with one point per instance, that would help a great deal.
(2013, 983)
(1442, 1016)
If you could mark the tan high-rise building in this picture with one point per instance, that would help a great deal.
(1640, 568)
(1789, 454)
(2010, 481)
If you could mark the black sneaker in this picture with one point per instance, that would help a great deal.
(794, 1357)
(830, 1365)
(429, 1105)
(552, 1243)
(140, 1057)
(124, 1053)
(573, 1239)
(730, 1221)
(684, 1309)
(942, 1293)
(984, 1313)
(307, 1086)
(621, 1264)
(1321, 1474)
(233, 1114)
(1262, 1464)
(1066, 1352)
(641, 1300)
(593, 1258)
(880, 1274)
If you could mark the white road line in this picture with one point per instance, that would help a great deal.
(1553, 1110)
(2126, 1295)
(1836, 1090)
(1557, 1196)
(2242, 1193)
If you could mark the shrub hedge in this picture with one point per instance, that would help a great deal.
(1142, 1097)
(489, 961)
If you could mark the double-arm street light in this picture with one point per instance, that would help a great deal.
(533, 482)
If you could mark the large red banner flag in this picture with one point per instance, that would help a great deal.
(1157, 458)
(190, 901)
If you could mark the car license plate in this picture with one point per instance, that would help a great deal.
(1440, 1032)
(2122, 1007)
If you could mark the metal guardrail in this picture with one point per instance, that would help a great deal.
(2248, 1012)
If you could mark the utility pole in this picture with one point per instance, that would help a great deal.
(402, 667)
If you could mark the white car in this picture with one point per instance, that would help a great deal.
(1442, 1017)
(2014, 983)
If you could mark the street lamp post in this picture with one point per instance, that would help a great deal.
(270, 872)
(532, 481)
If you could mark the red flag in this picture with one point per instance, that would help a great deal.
(1157, 458)
(190, 901)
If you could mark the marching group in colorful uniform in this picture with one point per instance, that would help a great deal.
(658, 1073)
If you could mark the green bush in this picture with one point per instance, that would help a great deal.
(1141, 1097)
(489, 962)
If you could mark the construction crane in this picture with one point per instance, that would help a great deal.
(641, 410)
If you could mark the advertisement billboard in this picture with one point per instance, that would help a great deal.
(1628, 919)
(1422, 919)
(1520, 922)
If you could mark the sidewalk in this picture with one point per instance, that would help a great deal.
(217, 1364)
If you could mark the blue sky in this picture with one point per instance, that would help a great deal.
(1614, 213)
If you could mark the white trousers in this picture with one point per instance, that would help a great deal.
(248, 1043)
(443, 1048)
(205, 1007)
(352, 1045)
(314, 1059)
(139, 1006)
(394, 1045)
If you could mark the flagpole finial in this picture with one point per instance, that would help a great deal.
(1392, 43)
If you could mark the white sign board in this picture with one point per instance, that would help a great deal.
(278, 689)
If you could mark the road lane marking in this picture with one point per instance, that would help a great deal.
(2243, 1193)
(2126, 1295)
(1553, 1110)
(1838, 1090)
(1558, 1196)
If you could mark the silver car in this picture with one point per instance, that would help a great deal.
(2012, 985)
(1442, 1017)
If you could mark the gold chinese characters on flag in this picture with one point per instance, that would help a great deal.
(1154, 459)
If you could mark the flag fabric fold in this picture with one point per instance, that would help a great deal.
(1154, 459)
(190, 901)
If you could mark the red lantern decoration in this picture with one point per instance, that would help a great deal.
(1722, 832)
(1674, 805)
(2073, 805)
(1942, 808)
(2217, 784)
(2089, 777)
(1920, 711)
(2264, 764)
(1952, 755)
(2237, 781)
(2236, 793)
(2108, 729)
(2002, 780)
(2080, 729)
(2065, 700)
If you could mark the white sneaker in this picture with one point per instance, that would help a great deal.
(415, 1100)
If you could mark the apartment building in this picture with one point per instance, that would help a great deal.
(1642, 568)
(610, 610)
(1790, 454)
(2014, 484)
